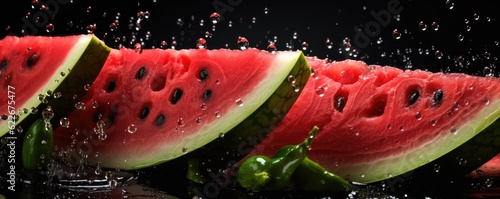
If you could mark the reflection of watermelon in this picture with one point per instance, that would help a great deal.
(150, 106)
(31, 68)
(377, 122)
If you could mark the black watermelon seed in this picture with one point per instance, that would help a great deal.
(140, 73)
(339, 103)
(160, 119)
(3, 65)
(176, 96)
(111, 86)
(144, 112)
(32, 60)
(413, 97)
(438, 97)
(207, 94)
(203, 74)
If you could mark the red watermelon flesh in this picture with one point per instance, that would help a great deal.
(150, 106)
(36, 69)
(377, 122)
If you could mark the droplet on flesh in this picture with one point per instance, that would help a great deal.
(64, 122)
(131, 128)
(239, 102)
(242, 43)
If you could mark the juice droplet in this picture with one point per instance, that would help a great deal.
(217, 114)
(198, 120)
(266, 10)
(418, 116)
(329, 43)
(57, 95)
(305, 45)
(437, 168)
(453, 130)
(438, 54)
(271, 47)
(47, 114)
(181, 122)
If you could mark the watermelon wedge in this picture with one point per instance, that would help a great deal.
(40, 70)
(150, 106)
(380, 122)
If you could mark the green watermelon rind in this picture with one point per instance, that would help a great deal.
(80, 67)
(275, 85)
(429, 152)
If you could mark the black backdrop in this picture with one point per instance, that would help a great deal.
(313, 21)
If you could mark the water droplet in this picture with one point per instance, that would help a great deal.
(362, 175)
(47, 114)
(91, 28)
(437, 168)
(221, 135)
(131, 128)
(19, 129)
(163, 44)
(33, 110)
(198, 120)
(230, 24)
(208, 34)
(181, 122)
(266, 10)
(305, 45)
(138, 48)
(271, 47)
(295, 35)
(242, 43)
(80, 106)
(486, 101)
(422, 26)
(329, 43)
(184, 149)
(320, 91)
(64, 122)
(488, 182)
(291, 79)
(57, 95)
(94, 104)
(396, 34)
(449, 4)
(86, 87)
(201, 43)
(215, 17)
(239, 102)
(49, 28)
(488, 72)
(475, 16)
(438, 54)
(453, 130)
(418, 115)
(462, 161)
(460, 37)
(435, 26)
(217, 114)
(203, 106)
(433, 122)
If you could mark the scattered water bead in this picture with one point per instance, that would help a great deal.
(329, 43)
(295, 35)
(271, 47)
(266, 10)
(437, 167)
(49, 27)
(422, 26)
(396, 34)
(435, 26)
(184, 149)
(33, 110)
(217, 114)
(320, 91)
(475, 16)
(181, 122)
(113, 26)
(208, 34)
(131, 128)
(201, 43)
(64, 122)
(91, 28)
(47, 114)
(239, 102)
(449, 4)
(418, 115)
(460, 37)
(291, 79)
(198, 120)
(138, 48)
(86, 87)
(453, 130)
(163, 44)
(80, 106)
(438, 54)
(215, 17)
(57, 95)
(242, 43)
(94, 104)
(305, 45)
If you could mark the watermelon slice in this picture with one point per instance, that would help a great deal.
(52, 70)
(150, 106)
(379, 122)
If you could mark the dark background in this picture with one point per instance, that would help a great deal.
(313, 21)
